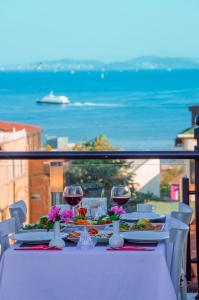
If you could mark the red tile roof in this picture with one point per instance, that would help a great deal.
(10, 126)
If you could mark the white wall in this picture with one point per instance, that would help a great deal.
(147, 176)
(188, 144)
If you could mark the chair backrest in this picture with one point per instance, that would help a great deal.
(22, 205)
(63, 207)
(94, 202)
(183, 214)
(18, 210)
(186, 212)
(6, 228)
(178, 236)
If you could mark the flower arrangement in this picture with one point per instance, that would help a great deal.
(82, 212)
(55, 214)
(67, 215)
(115, 212)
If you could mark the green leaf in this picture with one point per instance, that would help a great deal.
(115, 217)
(50, 225)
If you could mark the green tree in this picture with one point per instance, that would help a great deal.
(98, 176)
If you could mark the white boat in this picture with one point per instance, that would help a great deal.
(53, 99)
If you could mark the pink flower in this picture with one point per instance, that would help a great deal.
(53, 213)
(118, 210)
(67, 215)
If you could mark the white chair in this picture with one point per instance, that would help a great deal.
(63, 207)
(22, 205)
(178, 232)
(18, 210)
(94, 202)
(6, 228)
(184, 214)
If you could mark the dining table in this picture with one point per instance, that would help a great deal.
(97, 274)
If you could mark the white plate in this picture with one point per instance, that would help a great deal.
(135, 216)
(34, 237)
(145, 236)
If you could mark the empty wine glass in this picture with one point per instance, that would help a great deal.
(86, 242)
(73, 195)
(120, 194)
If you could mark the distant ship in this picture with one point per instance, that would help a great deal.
(53, 99)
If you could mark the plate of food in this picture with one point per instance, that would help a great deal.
(100, 223)
(145, 236)
(141, 225)
(144, 224)
(101, 236)
(33, 227)
(124, 226)
(136, 216)
(42, 225)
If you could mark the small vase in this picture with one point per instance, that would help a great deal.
(116, 240)
(57, 241)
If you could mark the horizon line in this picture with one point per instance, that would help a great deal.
(101, 61)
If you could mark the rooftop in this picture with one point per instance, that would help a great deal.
(187, 133)
(11, 126)
(6, 136)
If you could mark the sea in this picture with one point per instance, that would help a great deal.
(136, 110)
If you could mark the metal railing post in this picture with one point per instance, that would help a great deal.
(185, 190)
(196, 136)
(185, 199)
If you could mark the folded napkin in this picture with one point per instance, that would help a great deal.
(131, 248)
(38, 247)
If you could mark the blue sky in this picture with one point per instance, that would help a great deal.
(36, 30)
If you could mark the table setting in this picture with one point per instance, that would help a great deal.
(107, 256)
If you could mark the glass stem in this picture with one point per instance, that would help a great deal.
(73, 209)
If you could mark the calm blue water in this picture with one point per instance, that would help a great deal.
(136, 110)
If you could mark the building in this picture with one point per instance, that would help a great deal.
(186, 141)
(60, 143)
(147, 176)
(14, 174)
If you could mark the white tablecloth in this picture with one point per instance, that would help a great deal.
(99, 274)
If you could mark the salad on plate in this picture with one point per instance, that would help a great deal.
(140, 225)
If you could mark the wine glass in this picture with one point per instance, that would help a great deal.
(120, 194)
(73, 195)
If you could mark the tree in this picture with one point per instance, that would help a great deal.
(98, 176)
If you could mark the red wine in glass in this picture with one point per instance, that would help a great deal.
(120, 194)
(121, 200)
(72, 200)
(73, 195)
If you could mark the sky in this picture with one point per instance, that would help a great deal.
(107, 30)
